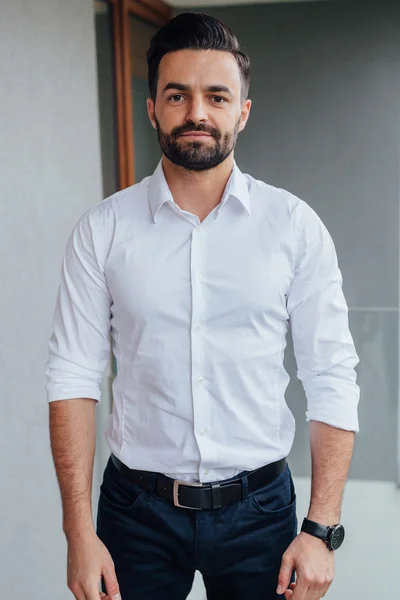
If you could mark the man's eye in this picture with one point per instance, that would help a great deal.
(218, 99)
(176, 97)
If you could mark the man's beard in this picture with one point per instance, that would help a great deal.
(197, 156)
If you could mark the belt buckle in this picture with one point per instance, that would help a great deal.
(177, 483)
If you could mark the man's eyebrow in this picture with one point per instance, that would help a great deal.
(173, 85)
(181, 87)
(219, 88)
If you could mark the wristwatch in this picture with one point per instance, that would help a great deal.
(332, 536)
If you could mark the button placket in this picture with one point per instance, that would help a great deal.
(198, 377)
(201, 399)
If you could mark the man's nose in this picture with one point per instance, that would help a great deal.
(197, 112)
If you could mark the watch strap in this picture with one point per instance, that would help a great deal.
(315, 529)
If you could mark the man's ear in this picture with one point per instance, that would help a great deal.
(245, 114)
(151, 112)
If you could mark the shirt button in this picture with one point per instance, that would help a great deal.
(206, 471)
(202, 431)
(200, 379)
(198, 328)
(200, 277)
(198, 229)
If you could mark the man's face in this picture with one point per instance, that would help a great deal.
(198, 111)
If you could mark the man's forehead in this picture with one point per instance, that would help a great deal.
(211, 67)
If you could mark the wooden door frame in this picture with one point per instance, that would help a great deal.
(152, 11)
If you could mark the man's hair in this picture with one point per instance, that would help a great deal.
(193, 31)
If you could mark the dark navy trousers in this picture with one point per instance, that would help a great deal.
(157, 547)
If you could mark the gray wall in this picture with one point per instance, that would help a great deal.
(50, 174)
(325, 125)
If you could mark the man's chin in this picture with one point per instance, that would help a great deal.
(193, 165)
(195, 154)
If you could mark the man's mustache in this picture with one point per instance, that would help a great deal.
(178, 131)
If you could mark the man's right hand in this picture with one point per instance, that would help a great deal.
(89, 561)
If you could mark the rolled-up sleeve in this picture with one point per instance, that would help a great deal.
(323, 345)
(79, 346)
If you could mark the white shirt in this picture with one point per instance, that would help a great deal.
(198, 314)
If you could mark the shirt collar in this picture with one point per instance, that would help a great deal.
(159, 192)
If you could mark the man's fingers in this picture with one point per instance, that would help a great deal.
(325, 589)
(289, 593)
(300, 591)
(79, 595)
(316, 592)
(318, 595)
(111, 583)
(98, 595)
(90, 592)
(284, 574)
(313, 594)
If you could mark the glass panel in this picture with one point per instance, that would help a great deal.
(146, 147)
(106, 95)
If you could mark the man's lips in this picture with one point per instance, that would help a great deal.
(196, 134)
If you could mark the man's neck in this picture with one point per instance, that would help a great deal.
(197, 192)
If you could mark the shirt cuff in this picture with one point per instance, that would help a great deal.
(333, 403)
(60, 392)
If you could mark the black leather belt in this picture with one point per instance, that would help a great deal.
(199, 496)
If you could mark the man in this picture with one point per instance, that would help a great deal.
(199, 271)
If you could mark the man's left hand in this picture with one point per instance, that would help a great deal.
(314, 564)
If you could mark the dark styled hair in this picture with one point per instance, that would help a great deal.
(193, 31)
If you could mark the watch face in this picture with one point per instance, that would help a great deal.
(337, 537)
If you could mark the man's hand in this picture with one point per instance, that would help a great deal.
(314, 565)
(88, 561)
